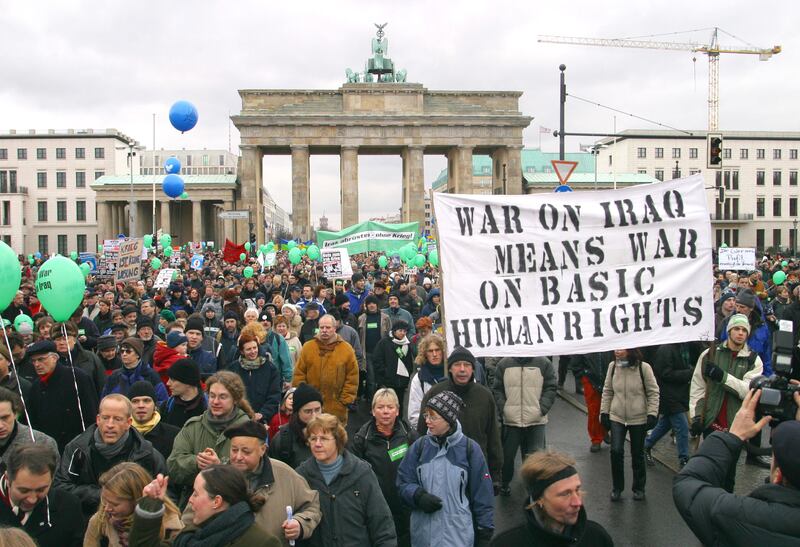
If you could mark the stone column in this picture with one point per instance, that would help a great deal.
(414, 185)
(514, 182)
(251, 182)
(114, 226)
(348, 172)
(459, 170)
(165, 217)
(499, 170)
(103, 219)
(227, 225)
(197, 220)
(301, 195)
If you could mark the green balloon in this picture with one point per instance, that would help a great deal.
(248, 271)
(270, 247)
(262, 249)
(31, 260)
(155, 264)
(175, 275)
(184, 195)
(303, 252)
(419, 260)
(165, 240)
(383, 261)
(723, 246)
(99, 247)
(148, 241)
(247, 246)
(168, 252)
(292, 244)
(433, 258)
(10, 275)
(22, 318)
(785, 263)
(313, 252)
(73, 255)
(408, 252)
(86, 269)
(60, 285)
(295, 256)
(242, 257)
(779, 277)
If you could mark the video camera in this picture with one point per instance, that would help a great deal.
(776, 392)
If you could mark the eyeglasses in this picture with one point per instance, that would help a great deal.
(127, 350)
(320, 438)
(431, 418)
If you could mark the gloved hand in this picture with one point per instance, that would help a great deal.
(651, 421)
(697, 426)
(427, 502)
(483, 537)
(715, 373)
(605, 419)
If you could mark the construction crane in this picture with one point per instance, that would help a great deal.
(712, 49)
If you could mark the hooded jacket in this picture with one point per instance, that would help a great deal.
(429, 307)
(121, 380)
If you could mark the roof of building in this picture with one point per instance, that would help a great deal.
(64, 133)
(699, 134)
(189, 180)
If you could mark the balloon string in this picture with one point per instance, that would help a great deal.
(74, 378)
(19, 385)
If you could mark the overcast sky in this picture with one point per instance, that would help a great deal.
(83, 64)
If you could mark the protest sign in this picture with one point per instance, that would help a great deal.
(90, 259)
(107, 265)
(164, 278)
(370, 236)
(197, 262)
(129, 262)
(576, 272)
(336, 263)
(737, 258)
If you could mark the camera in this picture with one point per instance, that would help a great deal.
(776, 392)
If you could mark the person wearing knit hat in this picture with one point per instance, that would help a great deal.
(133, 370)
(478, 416)
(768, 516)
(187, 399)
(195, 333)
(175, 338)
(437, 516)
(721, 381)
(147, 419)
(289, 444)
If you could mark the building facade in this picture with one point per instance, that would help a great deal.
(193, 162)
(46, 200)
(759, 173)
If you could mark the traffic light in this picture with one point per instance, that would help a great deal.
(714, 148)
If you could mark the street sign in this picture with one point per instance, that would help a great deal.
(234, 215)
(563, 188)
(563, 169)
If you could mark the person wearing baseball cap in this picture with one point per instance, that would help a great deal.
(437, 517)
(187, 399)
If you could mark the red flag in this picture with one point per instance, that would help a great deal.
(231, 251)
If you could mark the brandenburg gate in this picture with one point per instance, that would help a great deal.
(387, 116)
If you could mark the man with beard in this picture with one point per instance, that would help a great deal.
(144, 332)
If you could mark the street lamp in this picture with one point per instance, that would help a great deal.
(131, 147)
(595, 151)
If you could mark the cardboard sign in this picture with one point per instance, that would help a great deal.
(129, 262)
(336, 263)
(164, 278)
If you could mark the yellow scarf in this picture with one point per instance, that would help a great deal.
(147, 427)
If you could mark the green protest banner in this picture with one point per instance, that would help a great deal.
(370, 236)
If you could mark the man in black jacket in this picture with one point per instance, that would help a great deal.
(147, 419)
(50, 516)
(768, 516)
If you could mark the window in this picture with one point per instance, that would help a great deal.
(80, 210)
(610, 160)
(676, 173)
(642, 171)
(22, 153)
(222, 159)
(80, 179)
(792, 178)
(694, 171)
(776, 207)
(776, 237)
(205, 161)
(485, 169)
(98, 174)
(676, 153)
(734, 180)
(726, 153)
(61, 153)
(62, 245)
(792, 207)
(12, 185)
(693, 153)
(776, 178)
(760, 177)
(6, 213)
(743, 154)
(793, 154)
(659, 174)
(760, 205)
(41, 153)
(61, 179)
(659, 153)
(41, 210)
(3, 153)
(776, 154)
(61, 211)
(760, 239)
(189, 160)
(760, 154)
(99, 153)
(41, 179)
(735, 237)
(80, 153)
(81, 243)
(641, 153)
(43, 245)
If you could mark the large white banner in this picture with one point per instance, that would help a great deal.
(576, 272)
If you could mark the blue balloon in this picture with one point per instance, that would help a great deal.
(183, 116)
(172, 165)
(37, 254)
(173, 185)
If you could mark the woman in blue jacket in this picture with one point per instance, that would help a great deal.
(261, 378)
